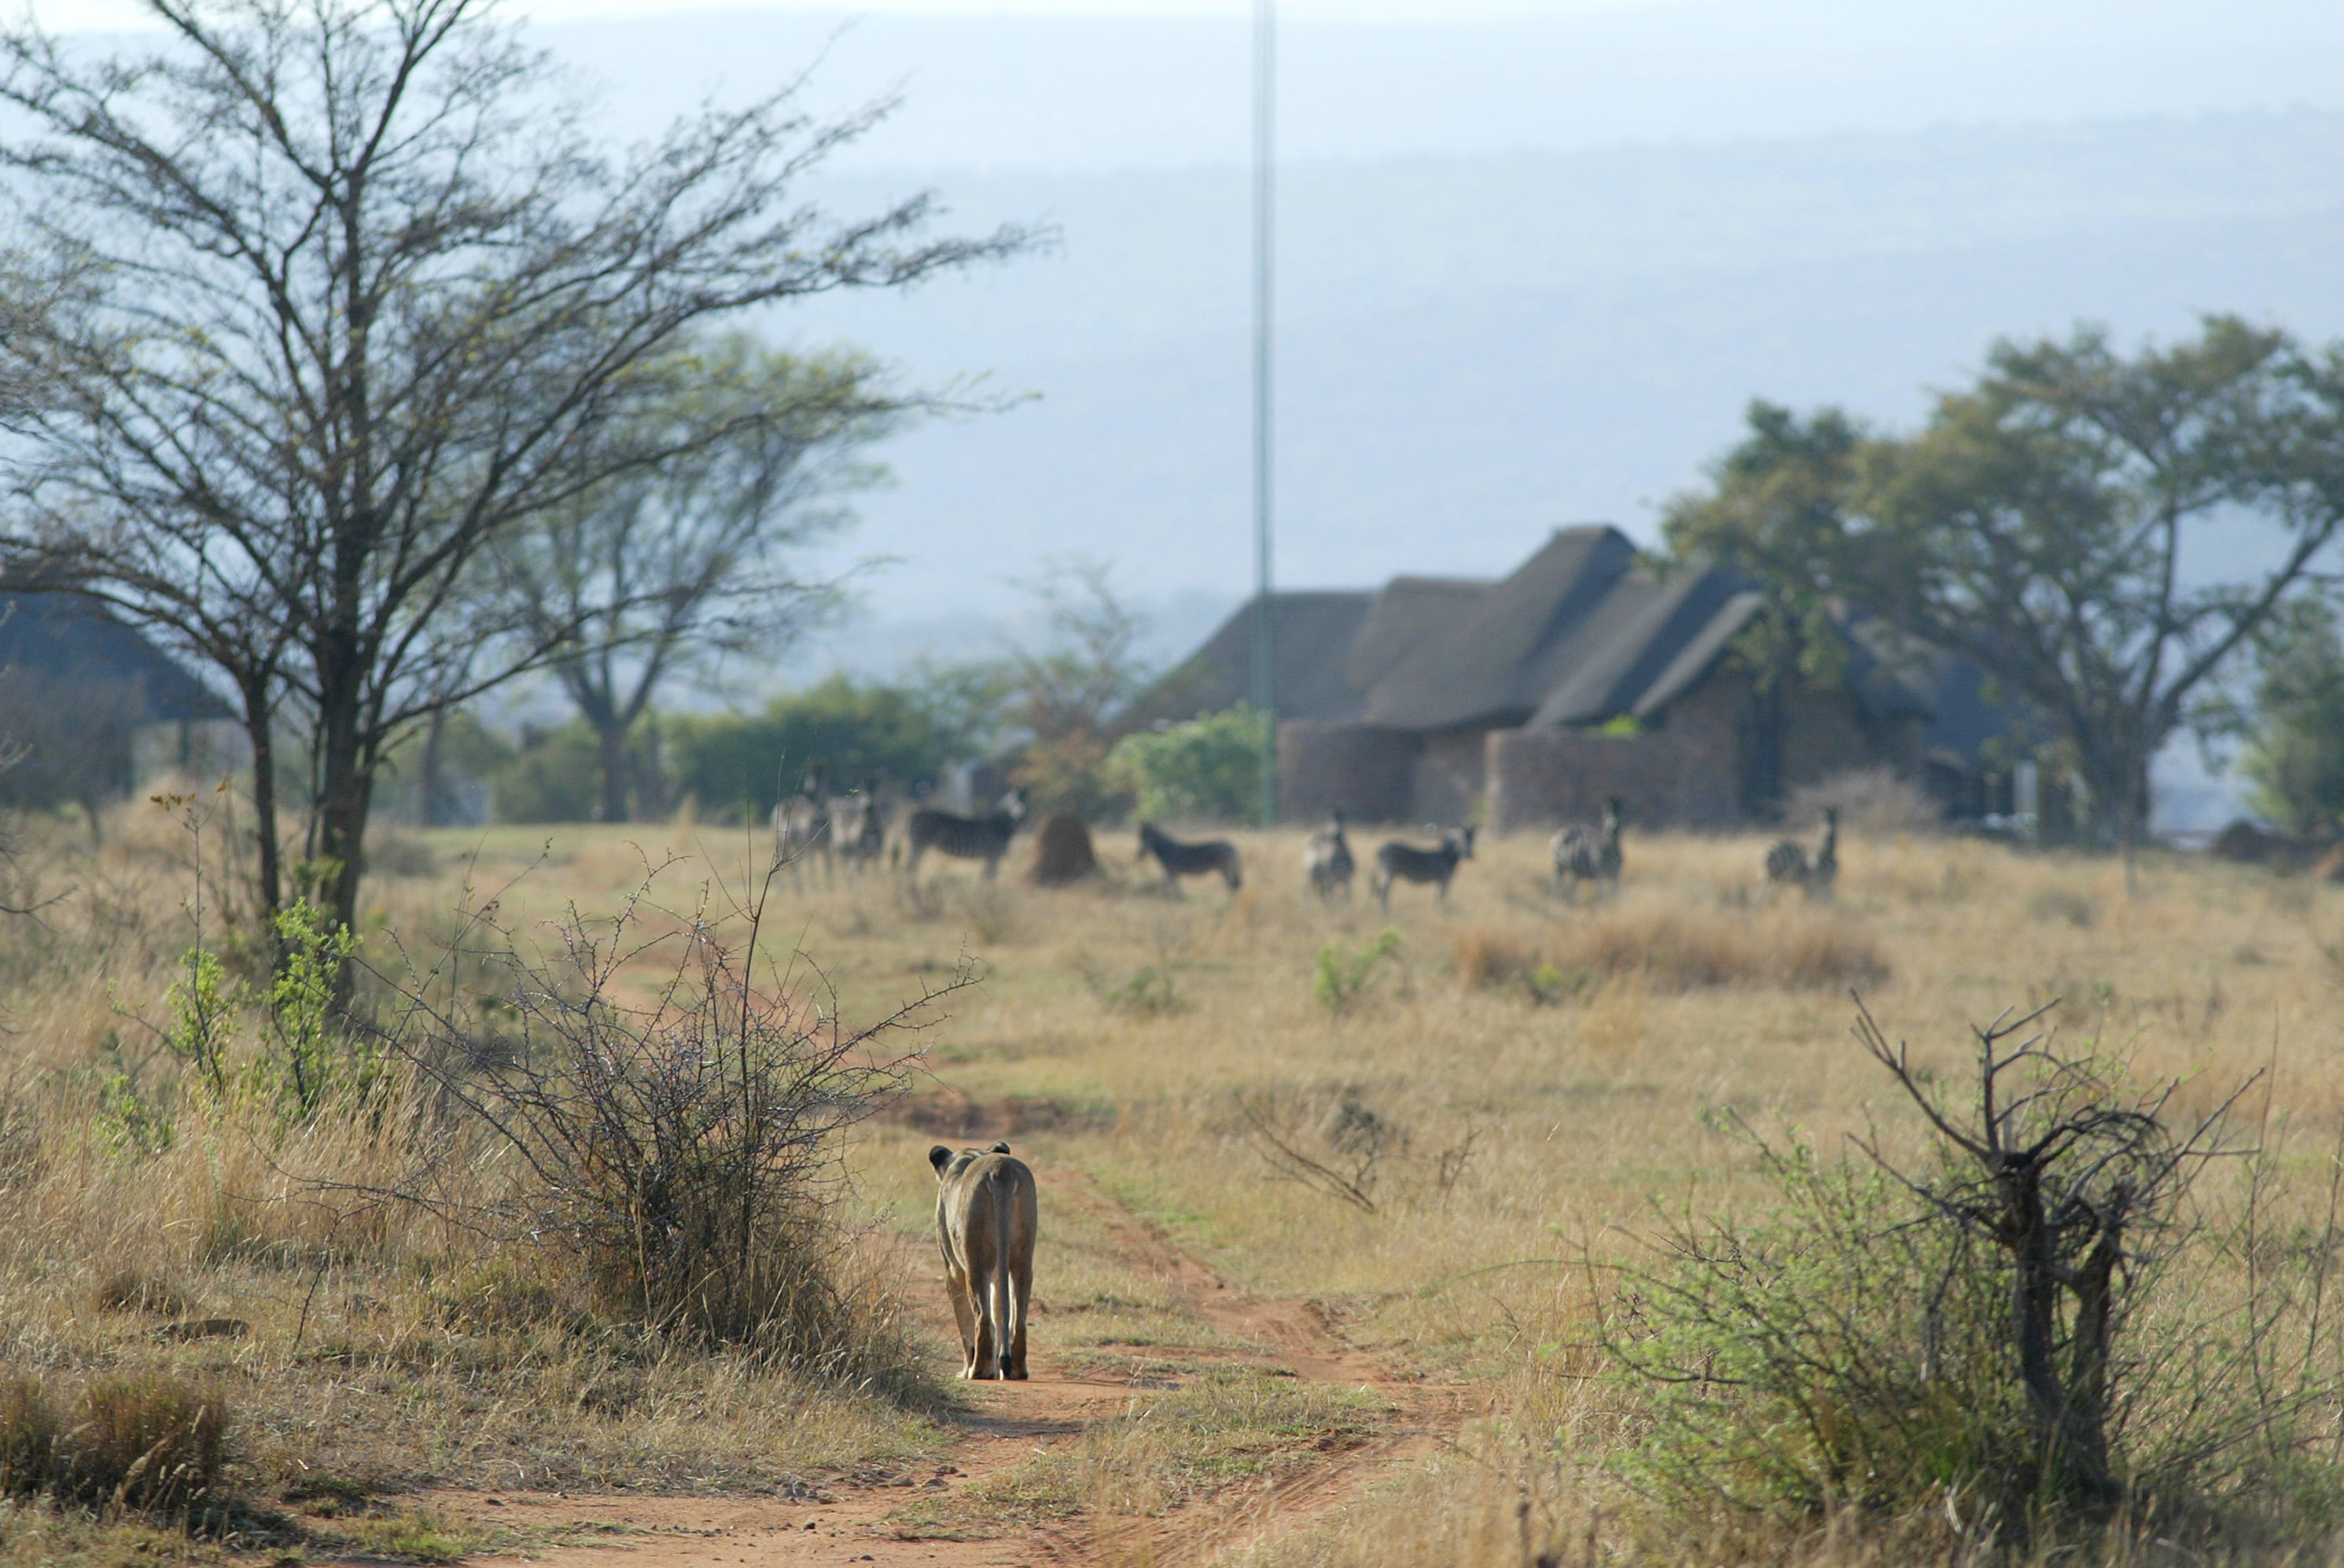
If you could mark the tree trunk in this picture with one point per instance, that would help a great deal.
(345, 788)
(431, 810)
(2086, 1433)
(611, 737)
(258, 730)
(2034, 1295)
(651, 775)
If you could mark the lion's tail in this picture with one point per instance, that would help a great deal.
(998, 1296)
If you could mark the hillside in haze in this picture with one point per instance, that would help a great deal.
(1475, 349)
(1530, 272)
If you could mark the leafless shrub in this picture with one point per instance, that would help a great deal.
(1336, 1148)
(2044, 1326)
(1337, 1145)
(679, 1155)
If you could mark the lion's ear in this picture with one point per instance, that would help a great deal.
(1002, 1147)
(940, 1157)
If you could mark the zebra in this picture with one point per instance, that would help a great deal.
(1406, 863)
(1179, 860)
(862, 828)
(802, 825)
(1787, 864)
(984, 838)
(1583, 853)
(1327, 860)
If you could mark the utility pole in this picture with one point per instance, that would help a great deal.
(1264, 632)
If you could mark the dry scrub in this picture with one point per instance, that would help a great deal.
(1548, 1083)
(1673, 949)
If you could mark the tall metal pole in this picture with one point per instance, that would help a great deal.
(1265, 163)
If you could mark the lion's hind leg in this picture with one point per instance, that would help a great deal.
(984, 1287)
(957, 1284)
(1021, 1293)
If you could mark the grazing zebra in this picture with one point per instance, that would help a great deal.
(1583, 853)
(1327, 860)
(984, 838)
(1787, 864)
(860, 828)
(802, 825)
(1406, 863)
(1179, 860)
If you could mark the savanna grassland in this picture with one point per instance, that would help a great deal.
(1317, 1200)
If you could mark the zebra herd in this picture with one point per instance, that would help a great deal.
(813, 830)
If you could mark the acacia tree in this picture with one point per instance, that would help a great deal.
(2079, 523)
(2294, 726)
(682, 563)
(344, 292)
(1069, 692)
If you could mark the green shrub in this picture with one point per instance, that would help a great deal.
(554, 777)
(1831, 1353)
(2042, 1330)
(1341, 975)
(312, 1058)
(2295, 751)
(853, 728)
(1207, 769)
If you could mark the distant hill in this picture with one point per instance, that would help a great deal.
(1116, 92)
(1497, 316)
(1475, 349)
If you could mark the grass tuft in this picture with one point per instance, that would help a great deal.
(133, 1290)
(148, 1442)
(1679, 949)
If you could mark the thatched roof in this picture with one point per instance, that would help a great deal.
(1580, 634)
(69, 640)
(1313, 634)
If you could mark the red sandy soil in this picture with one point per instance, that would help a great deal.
(1004, 1424)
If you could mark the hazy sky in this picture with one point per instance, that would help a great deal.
(77, 14)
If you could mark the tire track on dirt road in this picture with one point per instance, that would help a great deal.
(859, 1518)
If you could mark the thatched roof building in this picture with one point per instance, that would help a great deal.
(1388, 698)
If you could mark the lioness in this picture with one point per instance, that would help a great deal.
(986, 1215)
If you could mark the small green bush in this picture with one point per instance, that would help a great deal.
(1341, 975)
(1149, 992)
(1832, 1353)
(1207, 769)
(2046, 1328)
(904, 734)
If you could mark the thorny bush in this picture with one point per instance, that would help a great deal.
(2045, 1326)
(675, 1122)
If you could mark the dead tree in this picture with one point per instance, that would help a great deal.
(2073, 1179)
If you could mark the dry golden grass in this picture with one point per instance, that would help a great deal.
(1554, 1071)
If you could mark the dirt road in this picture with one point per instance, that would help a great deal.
(1005, 1425)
